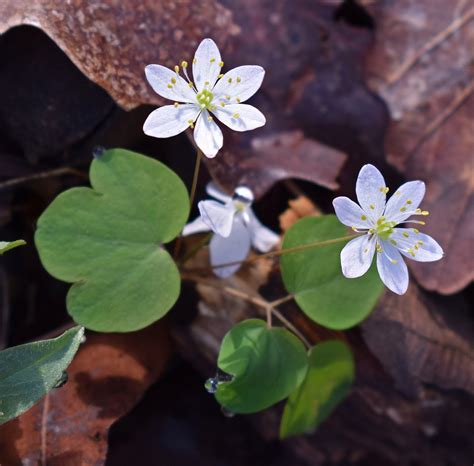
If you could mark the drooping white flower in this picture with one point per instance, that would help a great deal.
(378, 220)
(210, 94)
(235, 228)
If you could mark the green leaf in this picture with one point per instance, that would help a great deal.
(28, 372)
(267, 365)
(108, 242)
(328, 382)
(314, 276)
(6, 246)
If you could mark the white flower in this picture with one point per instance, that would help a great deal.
(235, 228)
(211, 93)
(378, 220)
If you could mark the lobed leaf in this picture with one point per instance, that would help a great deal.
(107, 241)
(267, 364)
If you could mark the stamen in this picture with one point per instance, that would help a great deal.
(397, 193)
(222, 104)
(209, 118)
(194, 60)
(220, 76)
(206, 83)
(410, 251)
(393, 242)
(227, 97)
(372, 206)
(221, 63)
(239, 79)
(170, 86)
(384, 189)
(378, 248)
(405, 234)
(238, 100)
(236, 116)
(415, 231)
(184, 64)
(176, 68)
(213, 60)
(229, 80)
(363, 217)
(409, 201)
(403, 209)
(173, 80)
(176, 105)
(191, 123)
(190, 84)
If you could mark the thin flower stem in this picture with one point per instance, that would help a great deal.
(192, 195)
(268, 307)
(41, 175)
(280, 252)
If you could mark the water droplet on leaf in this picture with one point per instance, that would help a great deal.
(211, 385)
(97, 151)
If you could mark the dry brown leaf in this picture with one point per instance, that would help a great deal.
(421, 339)
(69, 426)
(298, 208)
(421, 65)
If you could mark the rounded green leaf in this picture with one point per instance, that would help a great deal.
(108, 242)
(28, 372)
(267, 364)
(314, 276)
(328, 382)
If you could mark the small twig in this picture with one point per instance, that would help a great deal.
(277, 253)
(291, 327)
(41, 175)
(430, 45)
(44, 431)
(280, 301)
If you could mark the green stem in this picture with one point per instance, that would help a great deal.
(280, 252)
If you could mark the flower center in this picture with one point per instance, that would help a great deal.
(204, 99)
(384, 228)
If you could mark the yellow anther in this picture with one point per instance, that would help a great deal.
(176, 105)
(220, 76)
(184, 64)
(421, 222)
(212, 60)
(238, 100)
(417, 247)
(221, 63)
(393, 261)
(190, 84)
(410, 251)
(409, 201)
(191, 123)
(398, 193)
(393, 242)
(372, 206)
(366, 250)
(176, 68)
(371, 231)
(405, 234)
(363, 217)
(425, 213)
(209, 118)
(170, 86)
(415, 231)
(236, 116)
(239, 79)
(222, 104)
(384, 189)
(378, 248)
(173, 80)
(229, 80)
(227, 97)
(420, 242)
(354, 228)
(403, 209)
(206, 83)
(194, 61)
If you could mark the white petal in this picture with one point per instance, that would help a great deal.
(169, 121)
(232, 249)
(160, 78)
(214, 191)
(370, 190)
(392, 268)
(357, 256)
(240, 117)
(196, 226)
(350, 214)
(206, 67)
(263, 239)
(397, 208)
(217, 216)
(239, 83)
(208, 135)
(408, 243)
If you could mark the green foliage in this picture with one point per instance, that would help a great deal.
(28, 372)
(267, 365)
(6, 246)
(107, 241)
(328, 382)
(314, 276)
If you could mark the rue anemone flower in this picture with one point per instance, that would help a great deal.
(235, 227)
(378, 220)
(210, 94)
